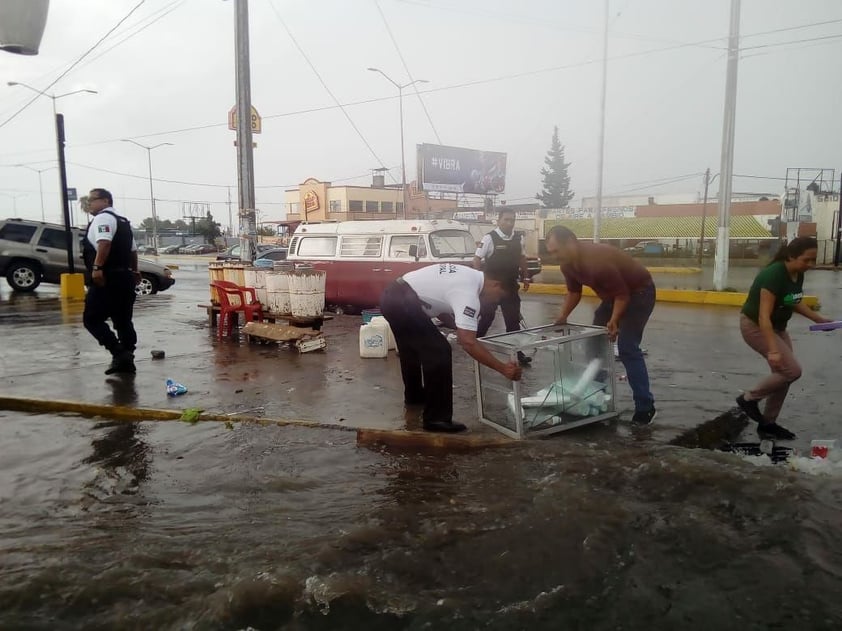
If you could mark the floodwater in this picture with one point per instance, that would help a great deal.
(173, 526)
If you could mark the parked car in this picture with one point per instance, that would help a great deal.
(32, 253)
(147, 250)
(205, 248)
(189, 249)
(275, 254)
(646, 248)
(233, 253)
(170, 249)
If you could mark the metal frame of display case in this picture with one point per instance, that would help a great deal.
(582, 331)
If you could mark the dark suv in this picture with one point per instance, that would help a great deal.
(32, 253)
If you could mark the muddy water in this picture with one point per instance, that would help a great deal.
(172, 526)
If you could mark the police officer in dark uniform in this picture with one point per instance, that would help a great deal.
(110, 255)
(502, 252)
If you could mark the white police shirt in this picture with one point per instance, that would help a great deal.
(486, 246)
(103, 227)
(449, 288)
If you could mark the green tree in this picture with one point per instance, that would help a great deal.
(208, 228)
(556, 180)
(266, 231)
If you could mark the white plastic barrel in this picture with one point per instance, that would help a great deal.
(374, 340)
(249, 277)
(307, 293)
(277, 292)
(260, 287)
(384, 322)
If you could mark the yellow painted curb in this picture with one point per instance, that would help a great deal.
(172, 266)
(368, 437)
(72, 287)
(686, 296)
(675, 270)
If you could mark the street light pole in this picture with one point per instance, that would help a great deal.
(400, 106)
(62, 170)
(40, 185)
(708, 181)
(597, 216)
(151, 190)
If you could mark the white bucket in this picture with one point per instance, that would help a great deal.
(260, 287)
(384, 322)
(277, 292)
(307, 293)
(374, 340)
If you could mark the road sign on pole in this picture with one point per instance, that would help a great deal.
(71, 195)
(256, 121)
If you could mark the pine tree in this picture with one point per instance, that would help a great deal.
(556, 193)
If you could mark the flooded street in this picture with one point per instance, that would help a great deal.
(172, 526)
(165, 525)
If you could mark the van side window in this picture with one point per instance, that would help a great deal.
(17, 232)
(52, 238)
(399, 247)
(317, 246)
(361, 246)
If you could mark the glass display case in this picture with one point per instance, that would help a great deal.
(570, 382)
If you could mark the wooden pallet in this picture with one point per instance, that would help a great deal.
(315, 323)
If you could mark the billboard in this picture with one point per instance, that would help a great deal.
(458, 170)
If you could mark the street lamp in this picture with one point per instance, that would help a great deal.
(40, 184)
(54, 97)
(400, 101)
(151, 193)
(708, 181)
(14, 200)
(62, 169)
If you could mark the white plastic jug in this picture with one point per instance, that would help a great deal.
(384, 322)
(374, 340)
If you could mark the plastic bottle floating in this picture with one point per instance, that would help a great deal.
(175, 389)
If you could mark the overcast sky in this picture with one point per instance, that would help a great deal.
(501, 73)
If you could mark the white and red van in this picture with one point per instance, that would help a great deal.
(362, 257)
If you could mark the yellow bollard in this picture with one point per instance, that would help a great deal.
(73, 286)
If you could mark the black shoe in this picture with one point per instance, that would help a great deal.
(123, 363)
(523, 360)
(751, 409)
(773, 430)
(444, 427)
(644, 417)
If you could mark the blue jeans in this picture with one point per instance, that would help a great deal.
(641, 304)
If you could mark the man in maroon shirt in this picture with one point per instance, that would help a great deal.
(628, 297)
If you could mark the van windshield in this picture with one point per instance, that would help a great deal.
(450, 243)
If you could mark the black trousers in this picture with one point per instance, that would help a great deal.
(114, 301)
(425, 355)
(509, 305)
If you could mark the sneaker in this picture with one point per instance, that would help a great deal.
(751, 409)
(444, 427)
(122, 363)
(773, 430)
(644, 417)
(523, 360)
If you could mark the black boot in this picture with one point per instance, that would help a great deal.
(122, 362)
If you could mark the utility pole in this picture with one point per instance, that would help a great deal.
(723, 237)
(704, 216)
(597, 215)
(837, 252)
(230, 219)
(245, 152)
(65, 203)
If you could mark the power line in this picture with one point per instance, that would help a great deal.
(795, 41)
(325, 86)
(406, 68)
(75, 63)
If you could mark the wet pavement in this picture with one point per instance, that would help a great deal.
(697, 361)
(144, 525)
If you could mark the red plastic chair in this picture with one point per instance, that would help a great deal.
(233, 299)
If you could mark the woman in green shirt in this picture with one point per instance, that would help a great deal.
(775, 294)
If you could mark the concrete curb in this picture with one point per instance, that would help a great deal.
(686, 296)
(365, 436)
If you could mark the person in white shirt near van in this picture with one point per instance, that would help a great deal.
(503, 252)
(409, 304)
